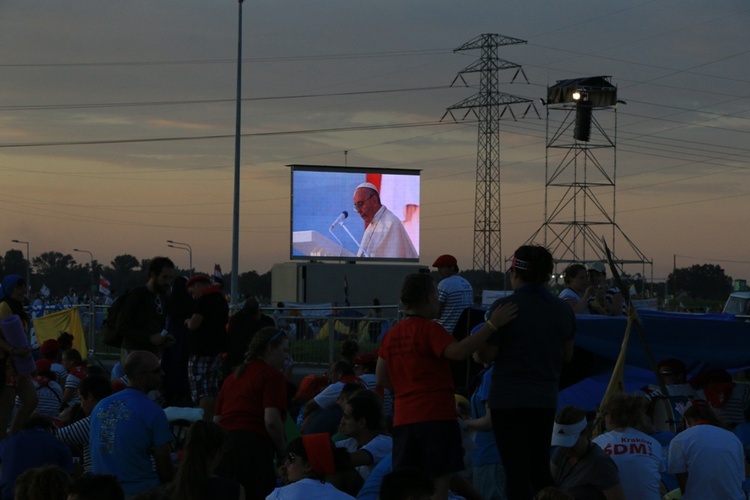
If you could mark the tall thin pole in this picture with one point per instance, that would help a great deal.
(238, 127)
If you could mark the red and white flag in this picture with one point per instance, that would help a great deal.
(104, 285)
(217, 271)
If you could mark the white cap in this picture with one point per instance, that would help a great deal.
(566, 435)
(368, 185)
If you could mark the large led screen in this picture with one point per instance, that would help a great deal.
(354, 213)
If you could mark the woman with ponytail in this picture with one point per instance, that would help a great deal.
(195, 479)
(251, 407)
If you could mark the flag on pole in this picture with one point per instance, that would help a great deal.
(45, 291)
(104, 285)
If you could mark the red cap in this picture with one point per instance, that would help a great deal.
(445, 260)
(196, 279)
(319, 450)
(49, 346)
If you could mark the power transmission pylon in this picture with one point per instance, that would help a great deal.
(488, 106)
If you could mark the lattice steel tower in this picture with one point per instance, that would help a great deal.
(488, 106)
(581, 174)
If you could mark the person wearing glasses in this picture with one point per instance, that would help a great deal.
(129, 430)
(385, 235)
(251, 407)
(311, 459)
(142, 318)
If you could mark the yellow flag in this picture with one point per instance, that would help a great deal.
(52, 325)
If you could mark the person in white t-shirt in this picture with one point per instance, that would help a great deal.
(708, 461)
(341, 373)
(363, 423)
(637, 455)
(311, 459)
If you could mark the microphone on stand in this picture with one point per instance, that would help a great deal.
(339, 219)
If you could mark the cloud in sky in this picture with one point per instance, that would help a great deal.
(115, 72)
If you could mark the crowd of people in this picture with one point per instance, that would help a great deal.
(202, 404)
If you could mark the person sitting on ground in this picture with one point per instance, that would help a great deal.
(578, 466)
(195, 477)
(578, 290)
(137, 448)
(341, 373)
(349, 350)
(708, 461)
(729, 401)
(310, 461)
(668, 417)
(364, 369)
(66, 341)
(48, 390)
(363, 423)
(76, 368)
(329, 419)
(50, 349)
(96, 487)
(414, 362)
(91, 390)
(637, 455)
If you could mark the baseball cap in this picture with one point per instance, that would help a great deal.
(598, 267)
(445, 260)
(196, 279)
(566, 435)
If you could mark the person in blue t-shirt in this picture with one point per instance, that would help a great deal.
(128, 429)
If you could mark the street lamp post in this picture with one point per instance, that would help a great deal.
(28, 262)
(187, 248)
(93, 276)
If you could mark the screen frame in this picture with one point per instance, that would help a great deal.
(344, 170)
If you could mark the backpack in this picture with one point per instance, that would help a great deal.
(108, 330)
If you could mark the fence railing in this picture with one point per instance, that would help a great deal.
(316, 333)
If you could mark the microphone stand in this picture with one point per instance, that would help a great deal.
(364, 252)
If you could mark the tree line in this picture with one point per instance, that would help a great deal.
(59, 272)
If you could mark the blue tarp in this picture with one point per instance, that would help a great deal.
(701, 341)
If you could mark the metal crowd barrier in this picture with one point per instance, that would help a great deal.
(316, 333)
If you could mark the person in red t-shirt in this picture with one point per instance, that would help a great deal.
(252, 407)
(414, 362)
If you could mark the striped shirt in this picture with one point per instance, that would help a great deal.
(455, 295)
(50, 397)
(76, 435)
